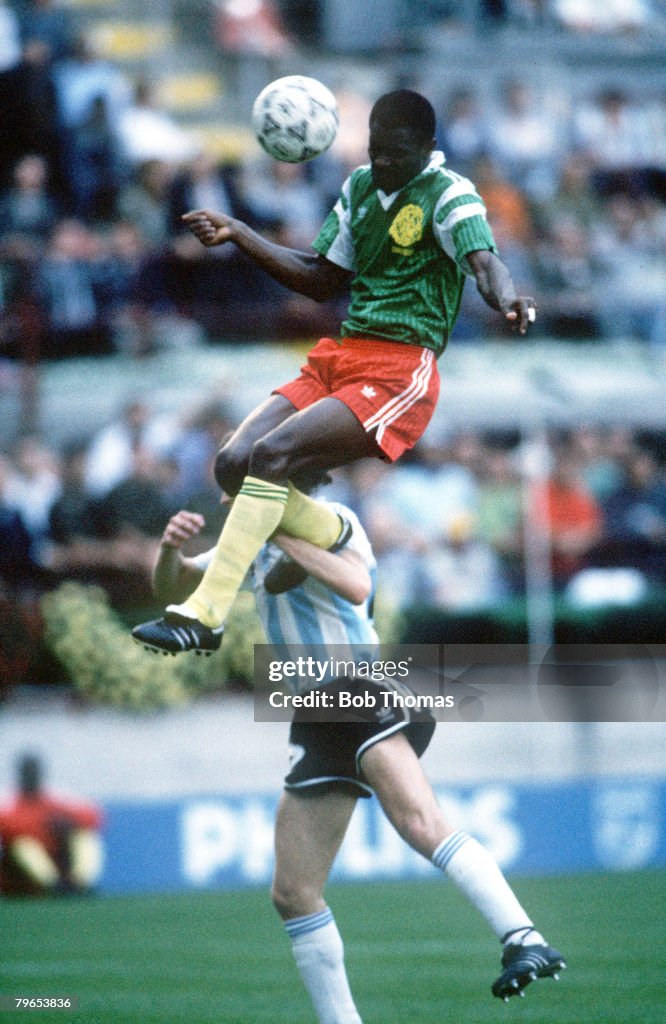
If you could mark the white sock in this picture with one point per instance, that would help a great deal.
(471, 868)
(319, 956)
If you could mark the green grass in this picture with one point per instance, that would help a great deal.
(415, 952)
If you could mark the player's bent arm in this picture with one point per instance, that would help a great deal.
(344, 572)
(496, 288)
(174, 576)
(308, 273)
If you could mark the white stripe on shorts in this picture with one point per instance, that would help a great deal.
(399, 404)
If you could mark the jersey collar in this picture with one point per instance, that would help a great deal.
(436, 161)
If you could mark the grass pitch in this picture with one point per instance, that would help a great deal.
(416, 953)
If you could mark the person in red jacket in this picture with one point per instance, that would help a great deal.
(48, 845)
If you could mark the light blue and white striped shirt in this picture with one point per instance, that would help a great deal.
(311, 613)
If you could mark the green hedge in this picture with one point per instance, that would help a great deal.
(507, 624)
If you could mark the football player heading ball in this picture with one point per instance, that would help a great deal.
(405, 234)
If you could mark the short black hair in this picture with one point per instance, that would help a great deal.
(404, 108)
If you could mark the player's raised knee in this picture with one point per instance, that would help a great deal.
(231, 466)
(270, 459)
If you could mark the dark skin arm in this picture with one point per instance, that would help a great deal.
(497, 289)
(308, 273)
(313, 275)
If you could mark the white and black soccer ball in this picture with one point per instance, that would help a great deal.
(295, 118)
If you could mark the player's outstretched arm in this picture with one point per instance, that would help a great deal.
(174, 576)
(308, 273)
(343, 572)
(497, 289)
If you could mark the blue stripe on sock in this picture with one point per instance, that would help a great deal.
(310, 923)
(448, 848)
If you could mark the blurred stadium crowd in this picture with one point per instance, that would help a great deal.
(95, 173)
(447, 527)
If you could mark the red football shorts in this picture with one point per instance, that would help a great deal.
(391, 388)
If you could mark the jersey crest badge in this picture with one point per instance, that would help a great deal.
(407, 227)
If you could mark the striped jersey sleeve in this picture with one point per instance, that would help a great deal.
(460, 221)
(334, 240)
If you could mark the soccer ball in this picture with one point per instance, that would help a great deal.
(295, 118)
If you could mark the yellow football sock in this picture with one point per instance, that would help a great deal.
(254, 516)
(310, 519)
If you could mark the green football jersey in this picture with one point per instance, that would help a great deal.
(407, 252)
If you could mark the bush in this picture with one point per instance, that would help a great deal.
(105, 666)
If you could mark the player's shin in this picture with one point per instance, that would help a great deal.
(472, 869)
(254, 516)
(310, 519)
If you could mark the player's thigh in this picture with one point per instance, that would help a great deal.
(395, 773)
(232, 462)
(324, 435)
(308, 834)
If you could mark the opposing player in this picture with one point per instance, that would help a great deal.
(404, 233)
(335, 763)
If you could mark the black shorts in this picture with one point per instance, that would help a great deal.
(326, 755)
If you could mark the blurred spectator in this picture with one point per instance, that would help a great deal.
(637, 510)
(601, 470)
(398, 545)
(527, 140)
(568, 277)
(571, 515)
(67, 285)
(196, 448)
(49, 845)
(107, 540)
(499, 521)
(630, 245)
(72, 514)
(431, 489)
(575, 199)
(463, 131)
(10, 57)
(10, 41)
(281, 194)
(95, 167)
(140, 503)
(462, 572)
(32, 116)
(83, 79)
(144, 201)
(17, 564)
(31, 487)
(508, 210)
(616, 135)
(126, 298)
(204, 183)
(47, 23)
(27, 207)
(147, 132)
(251, 28)
(109, 459)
